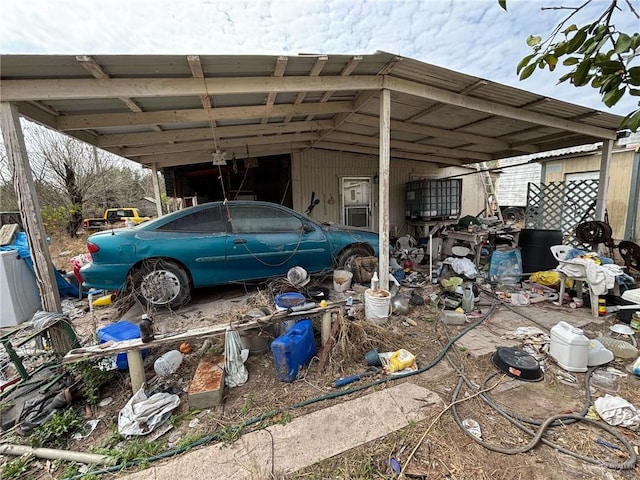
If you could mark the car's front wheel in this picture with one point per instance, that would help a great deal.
(161, 283)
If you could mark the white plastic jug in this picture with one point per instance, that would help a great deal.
(167, 363)
(569, 347)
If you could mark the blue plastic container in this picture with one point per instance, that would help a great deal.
(122, 330)
(293, 350)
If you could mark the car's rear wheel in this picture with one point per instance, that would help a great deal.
(346, 258)
(161, 283)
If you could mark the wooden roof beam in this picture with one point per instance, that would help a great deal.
(77, 88)
(345, 147)
(194, 134)
(80, 122)
(346, 71)
(409, 146)
(493, 108)
(94, 68)
(188, 158)
(318, 65)
(278, 71)
(129, 152)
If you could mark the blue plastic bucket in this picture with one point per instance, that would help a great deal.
(285, 301)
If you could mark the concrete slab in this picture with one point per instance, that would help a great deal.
(305, 440)
(484, 339)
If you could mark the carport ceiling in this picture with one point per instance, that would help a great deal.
(174, 110)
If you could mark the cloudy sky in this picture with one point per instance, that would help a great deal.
(472, 36)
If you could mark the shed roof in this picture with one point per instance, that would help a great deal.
(175, 110)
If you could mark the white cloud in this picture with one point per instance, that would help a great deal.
(472, 36)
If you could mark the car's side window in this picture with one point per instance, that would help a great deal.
(202, 221)
(262, 219)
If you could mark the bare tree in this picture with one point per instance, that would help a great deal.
(74, 179)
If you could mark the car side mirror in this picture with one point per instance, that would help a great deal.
(306, 228)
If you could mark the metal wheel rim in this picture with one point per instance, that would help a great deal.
(160, 287)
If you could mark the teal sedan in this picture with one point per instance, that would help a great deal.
(163, 260)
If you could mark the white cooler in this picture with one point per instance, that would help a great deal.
(19, 294)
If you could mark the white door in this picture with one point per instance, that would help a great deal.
(356, 201)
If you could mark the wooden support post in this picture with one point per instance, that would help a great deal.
(326, 328)
(383, 197)
(136, 369)
(603, 182)
(156, 189)
(31, 215)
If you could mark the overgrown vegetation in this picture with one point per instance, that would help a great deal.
(93, 378)
(16, 468)
(136, 449)
(57, 431)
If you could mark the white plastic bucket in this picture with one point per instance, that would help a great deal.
(377, 305)
(167, 363)
(342, 280)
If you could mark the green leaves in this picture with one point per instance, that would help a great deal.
(534, 40)
(595, 54)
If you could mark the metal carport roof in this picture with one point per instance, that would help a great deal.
(172, 110)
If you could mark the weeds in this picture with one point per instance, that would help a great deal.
(93, 378)
(249, 403)
(135, 449)
(55, 432)
(16, 468)
(187, 440)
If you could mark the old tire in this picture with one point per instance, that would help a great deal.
(161, 283)
(349, 254)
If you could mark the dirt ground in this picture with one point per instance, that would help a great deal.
(437, 448)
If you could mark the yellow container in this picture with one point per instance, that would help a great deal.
(400, 360)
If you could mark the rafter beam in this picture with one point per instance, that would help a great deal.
(344, 147)
(209, 145)
(94, 68)
(409, 146)
(73, 89)
(194, 134)
(198, 72)
(278, 71)
(493, 108)
(188, 158)
(79, 122)
(318, 65)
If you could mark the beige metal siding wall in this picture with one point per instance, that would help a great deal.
(320, 171)
(619, 183)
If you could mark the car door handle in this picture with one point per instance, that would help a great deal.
(238, 241)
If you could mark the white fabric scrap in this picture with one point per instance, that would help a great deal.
(142, 414)
(236, 372)
(600, 277)
(617, 411)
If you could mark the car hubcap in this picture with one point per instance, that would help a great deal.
(160, 287)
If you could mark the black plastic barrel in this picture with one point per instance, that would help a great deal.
(535, 248)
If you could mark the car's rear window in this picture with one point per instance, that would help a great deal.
(202, 221)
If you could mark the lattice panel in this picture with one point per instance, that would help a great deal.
(561, 206)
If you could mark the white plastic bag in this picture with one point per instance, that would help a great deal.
(617, 411)
(142, 414)
(236, 372)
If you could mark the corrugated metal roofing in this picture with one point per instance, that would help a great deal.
(161, 105)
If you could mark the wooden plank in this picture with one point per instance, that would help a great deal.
(93, 352)
(8, 233)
